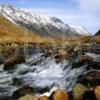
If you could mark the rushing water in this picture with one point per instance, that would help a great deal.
(45, 74)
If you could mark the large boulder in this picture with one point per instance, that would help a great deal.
(86, 59)
(90, 80)
(78, 90)
(31, 97)
(28, 97)
(83, 61)
(10, 62)
(59, 95)
(22, 91)
(28, 90)
(97, 92)
(43, 98)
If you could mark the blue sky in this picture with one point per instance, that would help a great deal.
(85, 13)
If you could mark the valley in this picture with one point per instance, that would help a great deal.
(42, 58)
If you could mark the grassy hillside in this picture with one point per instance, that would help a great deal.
(11, 33)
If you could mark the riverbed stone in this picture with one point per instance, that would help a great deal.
(43, 98)
(22, 91)
(90, 80)
(28, 97)
(78, 90)
(97, 92)
(95, 65)
(62, 54)
(10, 62)
(59, 95)
(84, 60)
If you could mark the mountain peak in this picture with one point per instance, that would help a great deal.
(45, 25)
(7, 6)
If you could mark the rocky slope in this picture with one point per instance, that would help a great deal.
(98, 32)
(43, 25)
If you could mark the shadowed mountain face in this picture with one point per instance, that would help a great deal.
(98, 32)
(42, 25)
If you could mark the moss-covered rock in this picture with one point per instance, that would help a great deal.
(78, 91)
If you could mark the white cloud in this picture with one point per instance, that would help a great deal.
(89, 6)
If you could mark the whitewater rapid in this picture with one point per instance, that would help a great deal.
(45, 74)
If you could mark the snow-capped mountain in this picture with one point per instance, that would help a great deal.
(79, 29)
(43, 25)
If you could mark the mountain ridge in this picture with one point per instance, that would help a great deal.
(43, 25)
(98, 32)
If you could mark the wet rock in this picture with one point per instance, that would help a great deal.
(44, 98)
(31, 97)
(84, 60)
(76, 49)
(59, 95)
(89, 81)
(1, 58)
(89, 95)
(27, 97)
(85, 81)
(78, 91)
(48, 52)
(97, 92)
(62, 54)
(37, 62)
(95, 65)
(17, 82)
(35, 98)
(22, 91)
(28, 90)
(10, 62)
(40, 90)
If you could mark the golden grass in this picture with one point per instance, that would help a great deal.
(11, 33)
